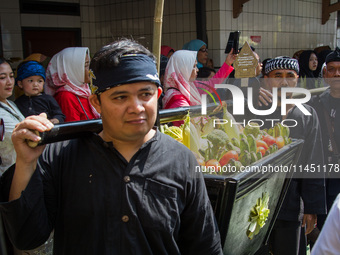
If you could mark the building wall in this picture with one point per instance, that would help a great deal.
(284, 26)
(134, 19)
(12, 21)
(130, 18)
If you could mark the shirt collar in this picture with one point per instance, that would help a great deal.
(111, 145)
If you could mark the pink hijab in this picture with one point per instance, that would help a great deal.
(177, 75)
(66, 72)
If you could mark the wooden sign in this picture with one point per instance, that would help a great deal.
(246, 63)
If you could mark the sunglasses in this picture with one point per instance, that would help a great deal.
(203, 50)
(2, 129)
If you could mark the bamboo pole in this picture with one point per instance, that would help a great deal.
(157, 31)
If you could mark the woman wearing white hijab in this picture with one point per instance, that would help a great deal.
(180, 86)
(67, 78)
(180, 73)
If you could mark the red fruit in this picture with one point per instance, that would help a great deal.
(227, 156)
(260, 143)
(213, 163)
(201, 162)
(270, 140)
(280, 142)
(262, 150)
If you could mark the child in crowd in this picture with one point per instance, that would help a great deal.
(31, 78)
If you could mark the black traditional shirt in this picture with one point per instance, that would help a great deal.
(98, 203)
(307, 185)
(326, 103)
(332, 106)
(38, 104)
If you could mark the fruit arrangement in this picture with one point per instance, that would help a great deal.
(219, 145)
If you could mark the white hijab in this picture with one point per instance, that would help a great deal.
(66, 72)
(177, 75)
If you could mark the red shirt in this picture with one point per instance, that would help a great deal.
(70, 106)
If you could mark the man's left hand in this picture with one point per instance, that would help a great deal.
(309, 221)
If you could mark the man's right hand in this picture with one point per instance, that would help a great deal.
(265, 97)
(24, 131)
(27, 156)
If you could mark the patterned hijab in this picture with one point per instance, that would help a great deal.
(177, 75)
(66, 72)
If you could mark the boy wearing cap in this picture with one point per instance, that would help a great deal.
(31, 78)
(116, 192)
(305, 197)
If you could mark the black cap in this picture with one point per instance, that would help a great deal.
(333, 56)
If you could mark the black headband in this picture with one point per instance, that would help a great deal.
(132, 68)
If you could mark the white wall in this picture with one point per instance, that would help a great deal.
(285, 26)
(134, 18)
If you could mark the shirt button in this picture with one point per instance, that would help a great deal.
(127, 178)
(125, 218)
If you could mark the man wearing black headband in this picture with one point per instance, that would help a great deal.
(304, 189)
(327, 105)
(127, 190)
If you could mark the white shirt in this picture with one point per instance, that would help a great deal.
(328, 242)
(11, 116)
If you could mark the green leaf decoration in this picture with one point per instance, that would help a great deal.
(258, 216)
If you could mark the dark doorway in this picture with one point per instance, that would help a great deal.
(49, 41)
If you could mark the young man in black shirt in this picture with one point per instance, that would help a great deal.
(127, 190)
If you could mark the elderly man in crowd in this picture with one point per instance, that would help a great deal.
(282, 72)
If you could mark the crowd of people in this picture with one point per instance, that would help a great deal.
(120, 191)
